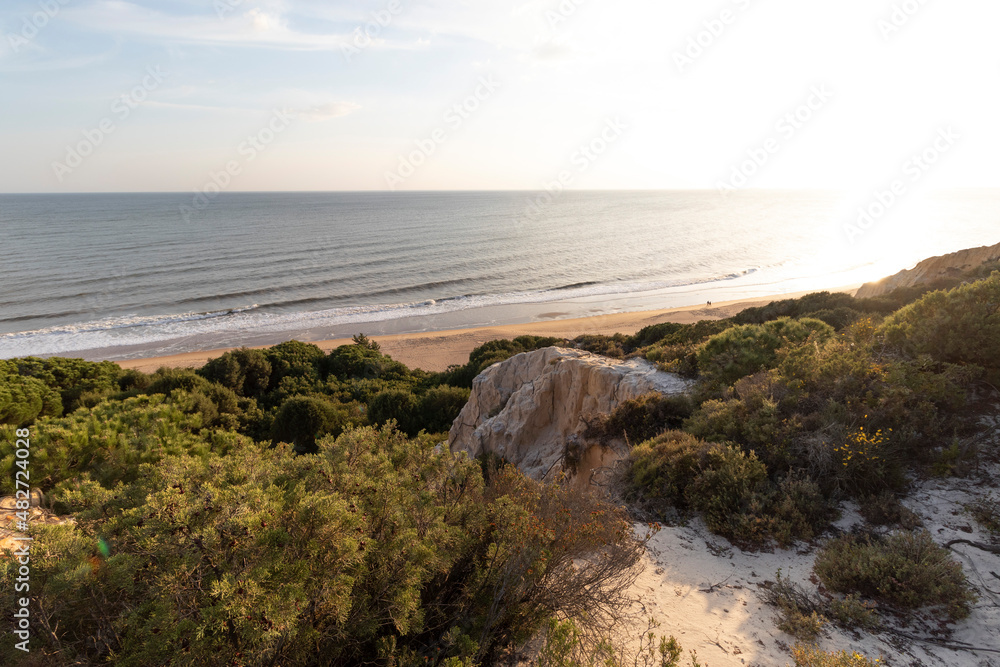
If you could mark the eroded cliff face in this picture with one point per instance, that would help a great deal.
(532, 408)
(946, 266)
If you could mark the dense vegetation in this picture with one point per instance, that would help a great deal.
(288, 506)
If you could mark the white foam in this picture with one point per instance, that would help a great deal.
(146, 330)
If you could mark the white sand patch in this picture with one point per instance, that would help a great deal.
(705, 591)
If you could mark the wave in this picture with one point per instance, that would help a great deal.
(138, 330)
(127, 322)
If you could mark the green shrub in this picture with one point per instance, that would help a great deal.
(660, 470)
(986, 512)
(756, 413)
(398, 405)
(494, 352)
(69, 378)
(800, 612)
(905, 571)
(677, 472)
(799, 510)
(166, 380)
(608, 346)
(247, 372)
(732, 492)
(800, 307)
(680, 359)
(959, 326)
(670, 333)
(854, 613)
(440, 406)
(304, 419)
(642, 418)
(361, 361)
(810, 656)
(294, 358)
(131, 379)
(375, 546)
(744, 350)
(885, 509)
(25, 399)
(109, 443)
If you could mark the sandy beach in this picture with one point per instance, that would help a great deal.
(436, 350)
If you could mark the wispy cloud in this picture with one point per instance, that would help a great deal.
(255, 27)
(43, 61)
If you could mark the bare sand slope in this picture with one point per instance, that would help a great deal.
(705, 592)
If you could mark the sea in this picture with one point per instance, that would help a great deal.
(116, 276)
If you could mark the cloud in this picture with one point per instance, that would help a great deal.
(51, 63)
(255, 27)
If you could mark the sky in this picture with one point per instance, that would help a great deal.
(241, 95)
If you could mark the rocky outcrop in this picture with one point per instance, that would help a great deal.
(10, 515)
(954, 265)
(533, 408)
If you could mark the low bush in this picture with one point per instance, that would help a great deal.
(885, 509)
(986, 512)
(810, 656)
(377, 547)
(805, 306)
(362, 362)
(747, 349)
(670, 333)
(25, 399)
(491, 353)
(68, 378)
(732, 492)
(608, 346)
(854, 613)
(640, 419)
(247, 372)
(440, 406)
(904, 571)
(397, 405)
(566, 644)
(804, 614)
(660, 469)
(302, 420)
(800, 612)
(959, 326)
(676, 472)
(294, 358)
(111, 442)
(757, 413)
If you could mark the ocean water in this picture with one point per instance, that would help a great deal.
(119, 275)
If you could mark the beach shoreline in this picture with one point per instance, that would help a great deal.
(437, 350)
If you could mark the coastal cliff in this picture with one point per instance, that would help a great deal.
(953, 265)
(532, 409)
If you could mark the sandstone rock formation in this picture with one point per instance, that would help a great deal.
(946, 266)
(531, 409)
(35, 514)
